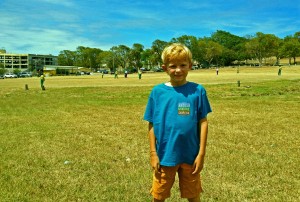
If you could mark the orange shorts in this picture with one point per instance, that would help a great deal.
(190, 185)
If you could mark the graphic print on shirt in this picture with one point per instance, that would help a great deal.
(184, 108)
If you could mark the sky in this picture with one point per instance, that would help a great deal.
(51, 26)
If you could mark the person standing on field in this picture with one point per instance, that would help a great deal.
(140, 74)
(177, 117)
(42, 79)
(116, 74)
(279, 71)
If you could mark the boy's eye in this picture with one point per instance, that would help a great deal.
(181, 66)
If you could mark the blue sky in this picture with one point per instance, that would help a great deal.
(50, 26)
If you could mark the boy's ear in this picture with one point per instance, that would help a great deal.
(164, 67)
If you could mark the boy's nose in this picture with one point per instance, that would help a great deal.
(178, 69)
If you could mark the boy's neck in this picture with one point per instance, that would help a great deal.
(175, 84)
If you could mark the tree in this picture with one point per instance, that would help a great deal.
(226, 57)
(2, 69)
(136, 55)
(221, 48)
(297, 36)
(87, 57)
(66, 58)
(188, 41)
(121, 55)
(36, 64)
(263, 46)
(211, 51)
(192, 43)
(105, 58)
(157, 49)
(146, 58)
(93, 54)
(16, 71)
(228, 40)
(234, 46)
(290, 48)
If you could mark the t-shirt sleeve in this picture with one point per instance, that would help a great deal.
(204, 105)
(148, 115)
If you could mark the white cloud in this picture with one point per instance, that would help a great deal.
(43, 41)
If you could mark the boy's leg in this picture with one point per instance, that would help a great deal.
(163, 182)
(197, 199)
(190, 184)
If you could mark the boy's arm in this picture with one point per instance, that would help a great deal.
(199, 161)
(154, 160)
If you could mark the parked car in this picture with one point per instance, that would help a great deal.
(10, 75)
(24, 74)
(158, 69)
(104, 71)
(1, 76)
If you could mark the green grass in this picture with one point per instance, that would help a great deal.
(83, 139)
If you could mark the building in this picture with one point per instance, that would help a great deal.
(53, 70)
(26, 61)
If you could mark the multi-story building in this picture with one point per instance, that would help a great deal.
(26, 61)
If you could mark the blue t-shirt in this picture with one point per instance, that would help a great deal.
(175, 113)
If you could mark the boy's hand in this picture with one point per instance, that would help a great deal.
(154, 161)
(198, 164)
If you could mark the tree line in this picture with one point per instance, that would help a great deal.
(220, 49)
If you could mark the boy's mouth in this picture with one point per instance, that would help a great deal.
(178, 75)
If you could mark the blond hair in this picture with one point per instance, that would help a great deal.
(176, 51)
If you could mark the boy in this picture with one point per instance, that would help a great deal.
(176, 112)
(42, 79)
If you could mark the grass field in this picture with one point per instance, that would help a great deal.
(83, 139)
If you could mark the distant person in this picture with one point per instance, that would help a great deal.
(279, 71)
(176, 112)
(125, 74)
(102, 74)
(42, 79)
(140, 74)
(116, 74)
(217, 71)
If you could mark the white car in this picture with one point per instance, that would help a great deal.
(10, 75)
(25, 74)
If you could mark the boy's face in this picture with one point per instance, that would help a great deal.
(178, 71)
